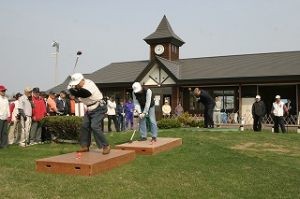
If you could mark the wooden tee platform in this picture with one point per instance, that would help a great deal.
(87, 164)
(148, 148)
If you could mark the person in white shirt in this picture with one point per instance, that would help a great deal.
(4, 115)
(111, 114)
(25, 111)
(166, 109)
(217, 111)
(89, 94)
(278, 110)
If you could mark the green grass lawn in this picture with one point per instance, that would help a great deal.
(207, 165)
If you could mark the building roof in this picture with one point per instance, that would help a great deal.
(119, 72)
(222, 67)
(239, 66)
(263, 65)
(164, 31)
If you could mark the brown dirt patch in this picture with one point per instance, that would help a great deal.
(252, 146)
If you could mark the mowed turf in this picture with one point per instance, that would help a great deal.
(207, 165)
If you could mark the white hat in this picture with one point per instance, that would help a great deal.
(257, 97)
(137, 87)
(277, 97)
(75, 79)
(28, 89)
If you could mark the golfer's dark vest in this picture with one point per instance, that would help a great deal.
(141, 98)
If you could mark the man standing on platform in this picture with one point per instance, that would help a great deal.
(209, 104)
(144, 105)
(89, 94)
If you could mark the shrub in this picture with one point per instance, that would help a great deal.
(63, 127)
(188, 121)
(168, 123)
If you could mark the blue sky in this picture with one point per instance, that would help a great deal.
(113, 31)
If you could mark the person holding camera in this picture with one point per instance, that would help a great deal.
(90, 95)
(144, 105)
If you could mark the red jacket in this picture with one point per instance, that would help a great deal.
(39, 108)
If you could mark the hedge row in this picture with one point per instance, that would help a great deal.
(68, 127)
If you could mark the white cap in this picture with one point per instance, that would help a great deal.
(277, 97)
(28, 89)
(137, 87)
(257, 97)
(75, 79)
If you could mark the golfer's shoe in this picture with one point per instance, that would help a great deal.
(83, 149)
(106, 150)
(153, 139)
(142, 139)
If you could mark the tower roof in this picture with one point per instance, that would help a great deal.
(164, 32)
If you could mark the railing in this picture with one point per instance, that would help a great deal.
(234, 118)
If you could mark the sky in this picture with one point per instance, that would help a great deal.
(113, 31)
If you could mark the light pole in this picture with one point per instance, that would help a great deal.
(56, 45)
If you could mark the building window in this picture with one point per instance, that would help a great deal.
(227, 99)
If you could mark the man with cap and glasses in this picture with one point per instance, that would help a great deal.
(258, 112)
(89, 94)
(144, 105)
(4, 115)
(278, 110)
(25, 112)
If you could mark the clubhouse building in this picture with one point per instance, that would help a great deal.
(237, 79)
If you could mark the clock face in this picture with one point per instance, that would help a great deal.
(159, 49)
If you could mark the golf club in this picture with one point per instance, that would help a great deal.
(77, 57)
(136, 127)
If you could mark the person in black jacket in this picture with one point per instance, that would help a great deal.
(209, 104)
(258, 112)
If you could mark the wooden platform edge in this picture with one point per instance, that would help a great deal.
(84, 169)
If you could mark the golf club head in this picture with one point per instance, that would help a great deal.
(79, 53)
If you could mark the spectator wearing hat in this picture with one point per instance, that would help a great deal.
(166, 109)
(51, 104)
(25, 111)
(38, 113)
(4, 115)
(209, 104)
(278, 110)
(258, 112)
(15, 125)
(144, 105)
(90, 95)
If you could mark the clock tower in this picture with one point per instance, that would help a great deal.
(164, 42)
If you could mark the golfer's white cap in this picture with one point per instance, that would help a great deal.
(137, 87)
(75, 79)
(277, 97)
(257, 97)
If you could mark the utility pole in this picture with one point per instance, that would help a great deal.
(56, 45)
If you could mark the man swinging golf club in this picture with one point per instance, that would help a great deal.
(144, 105)
(89, 94)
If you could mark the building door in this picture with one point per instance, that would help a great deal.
(161, 94)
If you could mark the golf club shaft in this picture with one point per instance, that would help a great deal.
(75, 63)
(132, 135)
